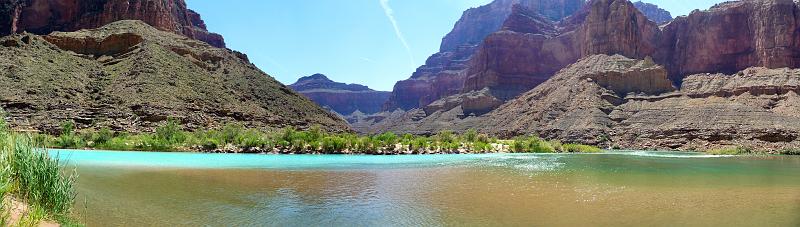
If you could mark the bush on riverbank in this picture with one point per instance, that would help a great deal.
(236, 138)
(30, 175)
(730, 151)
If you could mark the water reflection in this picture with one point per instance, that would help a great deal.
(551, 190)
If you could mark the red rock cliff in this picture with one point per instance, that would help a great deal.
(45, 16)
(732, 36)
(444, 73)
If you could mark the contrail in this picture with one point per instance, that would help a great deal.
(390, 14)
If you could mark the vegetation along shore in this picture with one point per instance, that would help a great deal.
(35, 189)
(238, 139)
(235, 138)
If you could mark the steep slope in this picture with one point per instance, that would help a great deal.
(45, 16)
(732, 36)
(617, 101)
(130, 76)
(653, 12)
(528, 50)
(344, 99)
(444, 73)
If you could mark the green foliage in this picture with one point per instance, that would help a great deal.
(580, 148)
(169, 134)
(68, 138)
(445, 137)
(32, 175)
(471, 136)
(790, 151)
(730, 151)
(170, 137)
(103, 136)
(535, 144)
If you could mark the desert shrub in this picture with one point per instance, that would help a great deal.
(730, 151)
(103, 136)
(471, 136)
(445, 137)
(580, 148)
(68, 138)
(168, 135)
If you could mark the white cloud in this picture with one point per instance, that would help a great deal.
(390, 15)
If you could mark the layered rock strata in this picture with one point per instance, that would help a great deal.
(130, 76)
(45, 16)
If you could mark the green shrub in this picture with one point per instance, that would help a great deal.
(730, 151)
(386, 139)
(580, 148)
(103, 136)
(471, 136)
(445, 137)
(168, 135)
(790, 151)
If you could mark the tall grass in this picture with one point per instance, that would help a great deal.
(31, 175)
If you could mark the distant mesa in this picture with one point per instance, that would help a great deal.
(344, 99)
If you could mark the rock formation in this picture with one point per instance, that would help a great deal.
(617, 101)
(732, 36)
(530, 48)
(45, 16)
(653, 12)
(344, 99)
(130, 76)
(444, 73)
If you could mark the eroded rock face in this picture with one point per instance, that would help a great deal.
(653, 12)
(511, 62)
(45, 16)
(344, 99)
(733, 36)
(130, 76)
(444, 73)
(756, 107)
(574, 104)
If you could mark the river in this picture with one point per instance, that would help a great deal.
(635, 188)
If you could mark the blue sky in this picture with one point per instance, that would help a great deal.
(370, 42)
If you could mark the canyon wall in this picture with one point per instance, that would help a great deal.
(45, 16)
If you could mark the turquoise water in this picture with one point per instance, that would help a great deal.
(632, 188)
(255, 161)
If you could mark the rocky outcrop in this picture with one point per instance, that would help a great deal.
(653, 12)
(45, 16)
(130, 76)
(344, 99)
(732, 36)
(530, 48)
(444, 73)
(574, 104)
(757, 107)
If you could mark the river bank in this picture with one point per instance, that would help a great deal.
(238, 139)
(35, 189)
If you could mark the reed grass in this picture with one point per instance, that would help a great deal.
(29, 174)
